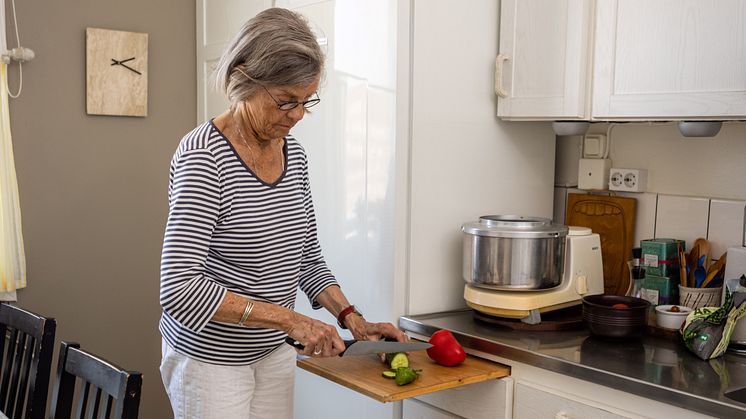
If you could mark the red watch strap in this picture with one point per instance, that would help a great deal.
(343, 314)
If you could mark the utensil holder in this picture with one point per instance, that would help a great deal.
(695, 298)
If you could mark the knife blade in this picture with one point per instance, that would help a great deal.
(364, 347)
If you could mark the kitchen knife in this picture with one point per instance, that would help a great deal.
(364, 347)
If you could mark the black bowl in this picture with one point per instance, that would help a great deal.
(609, 322)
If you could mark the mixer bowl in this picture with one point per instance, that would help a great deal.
(508, 252)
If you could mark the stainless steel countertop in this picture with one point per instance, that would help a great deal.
(653, 367)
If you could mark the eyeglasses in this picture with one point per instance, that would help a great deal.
(286, 106)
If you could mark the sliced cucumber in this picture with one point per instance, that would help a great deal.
(389, 374)
(397, 360)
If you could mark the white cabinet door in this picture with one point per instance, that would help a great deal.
(412, 409)
(670, 59)
(531, 402)
(544, 59)
(491, 399)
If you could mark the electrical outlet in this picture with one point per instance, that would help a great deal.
(628, 180)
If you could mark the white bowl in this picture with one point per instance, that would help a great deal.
(671, 319)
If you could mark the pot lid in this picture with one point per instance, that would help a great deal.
(514, 226)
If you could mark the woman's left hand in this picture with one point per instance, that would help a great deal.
(364, 330)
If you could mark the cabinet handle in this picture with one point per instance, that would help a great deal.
(499, 74)
(561, 415)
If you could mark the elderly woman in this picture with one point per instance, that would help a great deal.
(241, 237)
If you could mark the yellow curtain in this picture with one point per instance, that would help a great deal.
(12, 257)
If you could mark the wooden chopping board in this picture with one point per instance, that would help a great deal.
(363, 374)
(613, 218)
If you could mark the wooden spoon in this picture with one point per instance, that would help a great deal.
(682, 267)
(703, 247)
(692, 264)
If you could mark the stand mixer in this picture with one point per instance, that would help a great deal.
(507, 293)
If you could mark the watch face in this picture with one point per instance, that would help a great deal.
(116, 72)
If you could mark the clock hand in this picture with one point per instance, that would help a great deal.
(129, 68)
(117, 62)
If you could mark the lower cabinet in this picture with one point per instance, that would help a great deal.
(530, 403)
(413, 409)
(491, 399)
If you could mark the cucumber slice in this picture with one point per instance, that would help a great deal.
(389, 374)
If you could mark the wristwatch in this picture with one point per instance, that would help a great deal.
(346, 312)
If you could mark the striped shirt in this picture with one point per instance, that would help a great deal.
(228, 230)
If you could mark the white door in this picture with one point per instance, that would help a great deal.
(217, 22)
(544, 63)
(670, 59)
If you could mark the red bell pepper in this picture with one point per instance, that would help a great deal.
(446, 350)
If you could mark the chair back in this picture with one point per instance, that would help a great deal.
(105, 390)
(26, 349)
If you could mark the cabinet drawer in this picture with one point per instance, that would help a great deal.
(488, 399)
(412, 409)
(533, 403)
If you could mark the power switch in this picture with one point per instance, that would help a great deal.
(581, 285)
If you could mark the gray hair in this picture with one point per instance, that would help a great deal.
(275, 48)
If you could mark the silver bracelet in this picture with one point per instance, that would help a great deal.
(246, 312)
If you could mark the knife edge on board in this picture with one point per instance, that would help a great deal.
(364, 347)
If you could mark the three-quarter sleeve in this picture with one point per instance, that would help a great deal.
(186, 294)
(315, 276)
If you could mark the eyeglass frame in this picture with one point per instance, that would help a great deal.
(290, 105)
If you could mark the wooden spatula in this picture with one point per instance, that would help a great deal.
(714, 270)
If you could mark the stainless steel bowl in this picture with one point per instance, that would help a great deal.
(510, 252)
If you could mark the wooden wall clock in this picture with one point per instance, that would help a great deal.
(116, 72)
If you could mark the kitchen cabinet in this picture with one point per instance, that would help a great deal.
(491, 399)
(544, 59)
(651, 60)
(669, 59)
(533, 402)
(412, 409)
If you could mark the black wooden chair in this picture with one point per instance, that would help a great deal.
(26, 349)
(116, 392)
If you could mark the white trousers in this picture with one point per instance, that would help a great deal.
(199, 390)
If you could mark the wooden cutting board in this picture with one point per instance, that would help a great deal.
(363, 374)
(613, 218)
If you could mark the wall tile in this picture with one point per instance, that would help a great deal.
(645, 219)
(682, 217)
(726, 225)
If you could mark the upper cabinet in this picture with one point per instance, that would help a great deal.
(543, 67)
(651, 60)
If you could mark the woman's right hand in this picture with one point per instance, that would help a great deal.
(320, 339)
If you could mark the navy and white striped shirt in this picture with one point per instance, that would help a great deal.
(228, 230)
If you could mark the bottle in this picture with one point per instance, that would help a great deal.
(637, 272)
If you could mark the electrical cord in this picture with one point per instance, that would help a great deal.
(20, 64)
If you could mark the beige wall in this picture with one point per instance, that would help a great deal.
(93, 188)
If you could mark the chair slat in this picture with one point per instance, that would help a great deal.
(109, 405)
(8, 371)
(83, 401)
(15, 375)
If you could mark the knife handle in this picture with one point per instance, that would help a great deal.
(294, 343)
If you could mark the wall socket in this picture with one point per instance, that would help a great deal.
(628, 180)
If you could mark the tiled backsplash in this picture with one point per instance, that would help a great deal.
(682, 217)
